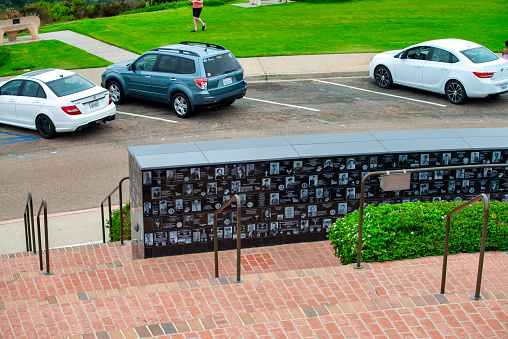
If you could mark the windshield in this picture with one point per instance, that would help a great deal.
(221, 64)
(479, 55)
(70, 85)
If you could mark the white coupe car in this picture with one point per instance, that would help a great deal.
(53, 101)
(457, 68)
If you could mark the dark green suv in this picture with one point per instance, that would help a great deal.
(187, 75)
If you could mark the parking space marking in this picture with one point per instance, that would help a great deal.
(11, 138)
(288, 105)
(147, 117)
(389, 95)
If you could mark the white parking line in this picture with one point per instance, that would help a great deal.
(148, 117)
(278, 103)
(389, 95)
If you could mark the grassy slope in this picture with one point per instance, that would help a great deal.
(46, 54)
(305, 28)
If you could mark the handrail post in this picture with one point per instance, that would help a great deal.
(41, 267)
(238, 237)
(360, 221)
(46, 237)
(121, 209)
(27, 237)
(483, 242)
(31, 214)
(103, 225)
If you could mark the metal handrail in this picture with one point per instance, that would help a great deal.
(412, 170)
(29, 225)
(482, 248)
(43, 205)
(238, 236)
(108, 198)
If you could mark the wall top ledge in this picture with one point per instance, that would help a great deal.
(318, 145)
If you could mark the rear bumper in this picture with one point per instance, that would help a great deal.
(485, 87)
(78, 122)
(205, 99)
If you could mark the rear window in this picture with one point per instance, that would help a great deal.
(70, 85)
(479, 55)
(221, 64)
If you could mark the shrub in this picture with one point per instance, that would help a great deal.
(114, 223)
(9, 13)
(413, 230)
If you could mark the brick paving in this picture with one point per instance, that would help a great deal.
(289, 291)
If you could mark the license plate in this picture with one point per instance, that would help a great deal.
(228, 81)
(504, 86)
(94, 104)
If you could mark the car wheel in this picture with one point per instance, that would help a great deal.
(181, 105)
(227, 103)
(116, 92)
(383, 77)
(455, 92)
(45, 126)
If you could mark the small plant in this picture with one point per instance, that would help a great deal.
(114, 223)
(414, 230)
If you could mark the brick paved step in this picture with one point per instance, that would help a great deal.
(127, 273)
(454, 316)
(123, 308)
(27, 263)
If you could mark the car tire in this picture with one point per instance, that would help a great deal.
(383, 77)
(227, 103)
(116, 92)
(455, 92)
(181, 105)
(45, 126)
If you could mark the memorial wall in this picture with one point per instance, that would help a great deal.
(287, 195)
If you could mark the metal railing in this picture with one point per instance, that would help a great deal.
(238, 236)
(412, 170)
(108, 198)
(483, 197)
(29, 225)
(46, 241)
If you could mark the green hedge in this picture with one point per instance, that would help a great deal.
(114, 224)
(413, 230)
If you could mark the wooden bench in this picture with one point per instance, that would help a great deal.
(12, 27)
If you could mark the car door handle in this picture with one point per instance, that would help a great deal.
(147, 76)
(35, 102)
(173, 79)
(10, 100)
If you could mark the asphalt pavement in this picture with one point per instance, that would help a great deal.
(84, 226)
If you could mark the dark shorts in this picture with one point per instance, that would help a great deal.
(196, 12)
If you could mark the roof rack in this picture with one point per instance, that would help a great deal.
(207, 44)
(175, 50)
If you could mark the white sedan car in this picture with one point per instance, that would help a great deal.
(53, 101)
(457, 68)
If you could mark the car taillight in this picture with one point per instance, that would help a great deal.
(202, 83)
(71, 110)
(110, 100)
(484, 75)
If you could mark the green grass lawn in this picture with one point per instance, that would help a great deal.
(21, 58)
(304, 28)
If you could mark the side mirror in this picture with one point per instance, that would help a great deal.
(129, 67)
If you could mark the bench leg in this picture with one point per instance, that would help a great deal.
(33, 33)
(12, 35)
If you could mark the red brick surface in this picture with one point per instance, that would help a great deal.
(289, 291)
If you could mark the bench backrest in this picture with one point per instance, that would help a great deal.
(23, 20)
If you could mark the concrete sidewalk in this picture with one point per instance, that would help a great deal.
(256, 69)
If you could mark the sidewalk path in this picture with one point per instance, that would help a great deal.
(256, 69)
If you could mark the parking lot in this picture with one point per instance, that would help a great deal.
(90, 163)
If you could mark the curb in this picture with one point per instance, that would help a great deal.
(310, 75)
